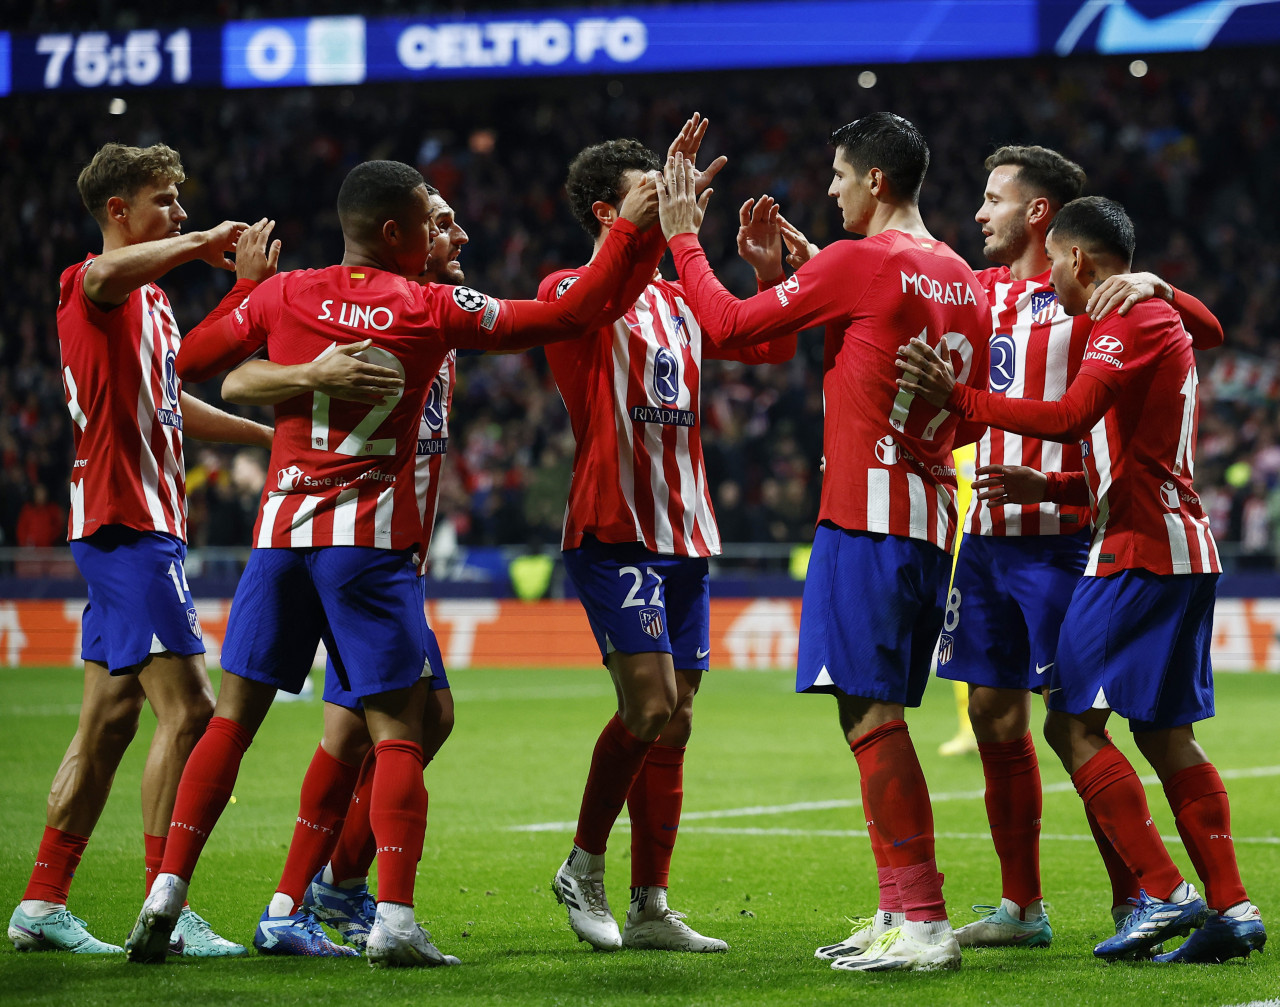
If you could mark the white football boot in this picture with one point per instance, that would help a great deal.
(864, 933)
(579, 887)
(397, 940)
(654, 925)
(149, 940)
(899, 950)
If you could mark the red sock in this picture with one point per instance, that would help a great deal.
(355, 850)
(654, 802)
(56, 862)
(890, 900)
(153, 854)
(616, 762)
(1124, 885)
(897, 801)
(398, 815)
(1111, 791)
(1200, 809)
(1014, 803)
(326, 792)
(206, 785)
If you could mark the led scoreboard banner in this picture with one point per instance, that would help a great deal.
(180, 57)
(695, 36)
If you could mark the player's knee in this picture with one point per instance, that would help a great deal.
(1057, 732)
(114, 727)
(649, 718)
(679, 726)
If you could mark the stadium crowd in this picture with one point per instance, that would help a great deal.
(1195, 180)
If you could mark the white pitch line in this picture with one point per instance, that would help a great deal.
(760, 810)
(981, 836)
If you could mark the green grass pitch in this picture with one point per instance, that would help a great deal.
(773, 879)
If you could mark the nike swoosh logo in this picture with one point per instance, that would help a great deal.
(37, 934)
(903, 842)
(178, 945)
(1041, 670)
(702, 653)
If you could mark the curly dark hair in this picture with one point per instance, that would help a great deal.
(595, 175)
(1045, 171)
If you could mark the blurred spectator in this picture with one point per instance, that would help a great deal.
(41, 522)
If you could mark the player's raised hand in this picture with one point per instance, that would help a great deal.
(925, 371)
(799, 248)
(679, 207)
(1122, 291)
(687, 142)
(760, 237)
(256, 254)
(1009, 484)
(342, 374)
(640, 205)
(220, 240)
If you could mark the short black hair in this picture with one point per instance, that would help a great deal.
(595, 175)
(1045, 171)
(1098, 225)
(377, 191)
(888, 142)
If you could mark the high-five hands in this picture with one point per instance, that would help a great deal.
(256, 254)
(799, 248)
(687, 142)
(760, 237)
(679, 207)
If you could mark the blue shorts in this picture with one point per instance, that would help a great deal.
(139, 602)
(1138, 643)
(871, 615)
(1007, 602)
(339, 696)
(366, 604)
(642, 602)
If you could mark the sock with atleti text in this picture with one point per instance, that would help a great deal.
(398, 816)
(654, 803)
(203, 793)
(1114, 796)
(322, 805)
(1014, 804)
(616, 762)
(1203, 816)
(56, 862)
(897, 800)
(354, 852)
(890, 900)
(1124, 883)
(153, 855)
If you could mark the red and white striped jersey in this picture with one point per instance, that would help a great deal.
(433, 442)
(1036, 349)
(124, 396)
(346, 473)
(632, 391)
(1139, 458)
(888, 456)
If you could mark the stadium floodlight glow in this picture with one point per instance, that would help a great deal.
(1138, 68)
(117, 106)
(867, 79)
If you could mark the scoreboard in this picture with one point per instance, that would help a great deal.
(688, 36)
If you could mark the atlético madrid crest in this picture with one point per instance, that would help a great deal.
(946, 647)
(1044, 304)
(651, 622)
